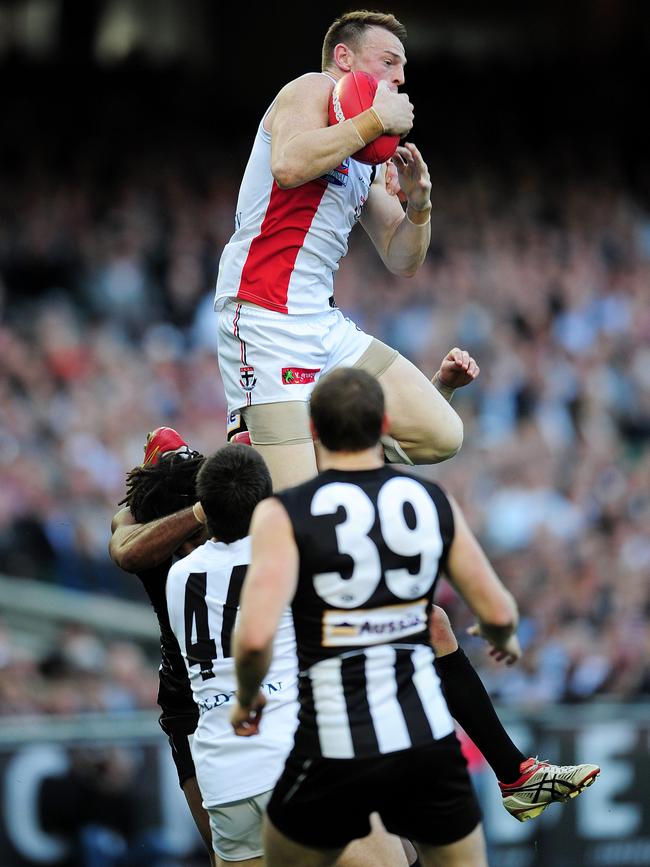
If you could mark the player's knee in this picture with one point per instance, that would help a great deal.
(442, 443)
(452, 440)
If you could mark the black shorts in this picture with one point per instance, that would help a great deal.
(178, 728)
(424, 794)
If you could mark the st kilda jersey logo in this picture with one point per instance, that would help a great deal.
(247, 378)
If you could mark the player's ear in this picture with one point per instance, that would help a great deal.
(312, 430)
(343, 57)
(385, 424)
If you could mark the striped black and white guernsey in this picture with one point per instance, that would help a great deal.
(371, 545)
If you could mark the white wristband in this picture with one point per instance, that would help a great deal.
(201, 516)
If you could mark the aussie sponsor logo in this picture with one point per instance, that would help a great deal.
(373, 626)
(247, 378)
(299, 375)
(340, 175)
(211, 702)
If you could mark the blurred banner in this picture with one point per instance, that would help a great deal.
(102, 790)
(90, 791)
(609, 824)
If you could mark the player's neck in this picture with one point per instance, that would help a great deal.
(368, 459)
(333, 72)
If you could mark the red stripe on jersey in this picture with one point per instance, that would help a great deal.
(272, 254)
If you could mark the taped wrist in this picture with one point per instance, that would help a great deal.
(444, 390)
(200, 514)
(368, 126)
(418, 218)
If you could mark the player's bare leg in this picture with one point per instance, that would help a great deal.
(249, 862)
(378, 849)
(423, 422)
(281, 434)
(201, 819)
(280, 851)
(468, 852)
(424, 427)
(289, 465)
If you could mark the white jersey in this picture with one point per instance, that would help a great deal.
(203, 599)
(288, 243)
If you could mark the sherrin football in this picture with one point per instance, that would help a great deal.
(353, 93)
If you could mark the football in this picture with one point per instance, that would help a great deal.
(352, 94)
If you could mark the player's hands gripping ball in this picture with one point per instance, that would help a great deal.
(354, 93)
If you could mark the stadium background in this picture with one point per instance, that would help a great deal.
(126, 126)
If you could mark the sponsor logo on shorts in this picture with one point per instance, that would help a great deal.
(247, 378)
(374, 626)
(299, 375)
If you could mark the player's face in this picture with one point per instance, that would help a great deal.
(381, 54)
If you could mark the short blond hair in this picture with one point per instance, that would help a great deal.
(349, 28)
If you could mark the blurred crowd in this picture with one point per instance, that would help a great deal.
(80, 673)
(541, 270)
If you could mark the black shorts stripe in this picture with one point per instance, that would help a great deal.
(353, 676)
(415, 717)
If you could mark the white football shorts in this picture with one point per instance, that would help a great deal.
(269, 357)
(237, 827)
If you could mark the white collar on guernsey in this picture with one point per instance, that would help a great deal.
(331, 77)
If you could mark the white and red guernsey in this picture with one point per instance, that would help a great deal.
(288, 243)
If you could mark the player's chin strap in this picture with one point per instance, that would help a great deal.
(393, 452)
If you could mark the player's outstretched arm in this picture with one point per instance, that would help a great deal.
(136, 547)
(268, 588)
(304, 146)
(401, 237)
(471, 573)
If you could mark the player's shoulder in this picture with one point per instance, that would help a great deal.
(214, 559)
(432, 488)
(189, 563)
(271, 516)
(298, 493)
(309, 84)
